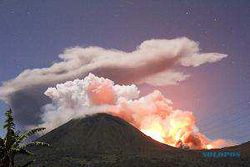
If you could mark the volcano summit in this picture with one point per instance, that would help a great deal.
(105, 140)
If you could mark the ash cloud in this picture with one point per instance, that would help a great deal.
(153, 114)
(152, 61)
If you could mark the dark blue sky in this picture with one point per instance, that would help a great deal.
(33, 33)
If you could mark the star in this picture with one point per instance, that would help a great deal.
(205, 32)
(12, 11)
(188, 11)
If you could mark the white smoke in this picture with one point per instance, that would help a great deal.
(83, 97)
(158, 56)
(157, 62)
(152, 114)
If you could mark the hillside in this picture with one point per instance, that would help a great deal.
(105, 140)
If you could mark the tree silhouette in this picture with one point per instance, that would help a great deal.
(15, 143)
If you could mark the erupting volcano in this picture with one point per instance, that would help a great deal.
(153, 114)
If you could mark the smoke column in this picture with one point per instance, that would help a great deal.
(152, 114)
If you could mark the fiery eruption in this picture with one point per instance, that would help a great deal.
(152, 114)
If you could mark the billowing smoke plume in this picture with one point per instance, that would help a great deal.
(152, 114)
(82, 97)
(154, 62)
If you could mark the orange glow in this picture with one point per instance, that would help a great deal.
(156, 132)
(209, 146)
(101, 93)
(153, 115)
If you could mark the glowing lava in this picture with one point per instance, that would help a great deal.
(156, 132)
(209, 146)
(153, 114)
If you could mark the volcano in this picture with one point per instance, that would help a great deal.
(103, 140)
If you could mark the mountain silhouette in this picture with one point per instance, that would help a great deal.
(103, 140)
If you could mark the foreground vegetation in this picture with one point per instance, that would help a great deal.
(15, 142)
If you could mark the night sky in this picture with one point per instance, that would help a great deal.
(33, 33)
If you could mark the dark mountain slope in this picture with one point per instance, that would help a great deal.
(102, 133)
(244, 149)
(104, 140)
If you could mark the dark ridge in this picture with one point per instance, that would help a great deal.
(104, 140)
